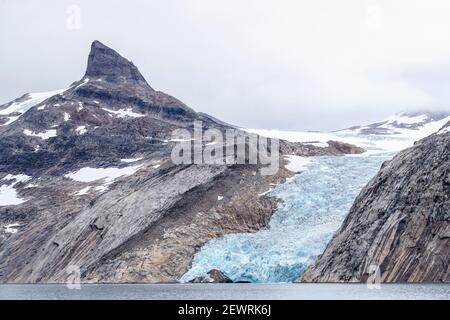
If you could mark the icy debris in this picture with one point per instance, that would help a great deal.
(40, 108)
(297, 163)
(81, 130)
(11, 228)
(130, 160)
(43, 135)
(66, 117)
(219, 198)
(122, 113)
(80, 106)
(156, 166)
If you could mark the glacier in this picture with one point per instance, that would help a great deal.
(314, 204)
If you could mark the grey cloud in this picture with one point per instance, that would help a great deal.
(297, 65)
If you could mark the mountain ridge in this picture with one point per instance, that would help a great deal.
(87, 179)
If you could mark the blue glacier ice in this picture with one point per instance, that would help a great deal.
(315, 202)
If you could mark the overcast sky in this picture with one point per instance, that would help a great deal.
(295, 65)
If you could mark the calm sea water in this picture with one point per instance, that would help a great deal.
(226, 291)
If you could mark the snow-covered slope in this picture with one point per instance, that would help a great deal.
(393, 134)
(13, 110)
(404, 123)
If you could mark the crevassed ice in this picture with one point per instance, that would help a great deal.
(315, 204)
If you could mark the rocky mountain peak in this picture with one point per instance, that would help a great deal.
(105, 63)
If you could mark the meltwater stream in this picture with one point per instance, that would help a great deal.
(315, 203)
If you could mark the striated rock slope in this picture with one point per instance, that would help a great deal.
(86, 180)
(398, 229)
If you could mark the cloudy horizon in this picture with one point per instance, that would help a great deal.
(292, 65)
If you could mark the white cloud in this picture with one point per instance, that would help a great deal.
(288, 64)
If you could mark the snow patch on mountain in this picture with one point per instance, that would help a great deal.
(8, 193)
(81, 130)
(404, 123)
(17, 177)
(122, 113)
(83, 191)
(444, 130)
(11, 228)
(43, 135)
(89, 174)
(86, 80)
(130, 160)
(20, 106)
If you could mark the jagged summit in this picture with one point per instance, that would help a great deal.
(105, 63)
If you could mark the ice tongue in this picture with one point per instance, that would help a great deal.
(105, 63)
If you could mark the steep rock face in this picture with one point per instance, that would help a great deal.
(398, 229)
(105, 62)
